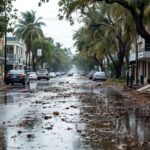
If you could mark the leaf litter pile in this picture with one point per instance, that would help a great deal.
(101, 120)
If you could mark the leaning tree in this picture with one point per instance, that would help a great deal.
(29, 29)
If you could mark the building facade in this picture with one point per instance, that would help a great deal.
(16, 53)
(140, 61)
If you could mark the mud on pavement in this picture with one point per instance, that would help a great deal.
(76, 114)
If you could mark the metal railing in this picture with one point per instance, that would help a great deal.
(11, 56)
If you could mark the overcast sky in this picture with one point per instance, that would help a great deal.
(60, 31)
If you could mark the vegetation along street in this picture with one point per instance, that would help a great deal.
(75, 75)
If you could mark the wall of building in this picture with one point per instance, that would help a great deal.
(143, 61)
(18, 52)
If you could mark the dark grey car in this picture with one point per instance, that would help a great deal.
(43, 74)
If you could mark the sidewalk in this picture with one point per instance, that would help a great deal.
(132, 94)
(2, 85)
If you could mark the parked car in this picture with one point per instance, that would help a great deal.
(58, 74)
(42, 74)
(52, 74)
(32, 76)
(99, 75)
(16, 76)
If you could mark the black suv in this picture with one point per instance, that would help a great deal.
(17, 76)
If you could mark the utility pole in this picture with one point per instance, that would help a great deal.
(136, 57)
(5, 63)
(5, 49)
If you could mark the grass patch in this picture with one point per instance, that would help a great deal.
(115, 81)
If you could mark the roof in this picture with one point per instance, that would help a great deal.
(13, 39)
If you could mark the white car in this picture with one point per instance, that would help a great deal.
(52, 74)
(43, 74)
(32, 76)
(99, 75)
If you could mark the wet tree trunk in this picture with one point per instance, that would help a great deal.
(102, 65)
(121, 55)
(99, 62)
(26, 60)
(127, 74)
(33, 62)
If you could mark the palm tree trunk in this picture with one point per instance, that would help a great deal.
(33, 62)
(26, 60)
(29, 59)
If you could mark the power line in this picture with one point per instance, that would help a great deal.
(49, 19)
(61, 36)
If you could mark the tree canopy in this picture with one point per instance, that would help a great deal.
(139, 9)
(8, 15)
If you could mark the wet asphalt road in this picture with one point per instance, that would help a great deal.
(71, 113)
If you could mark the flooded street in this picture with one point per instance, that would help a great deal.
(71, 113)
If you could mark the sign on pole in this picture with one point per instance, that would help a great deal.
(39, 52)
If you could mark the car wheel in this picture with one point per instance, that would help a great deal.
(93, 79)
(12, 83)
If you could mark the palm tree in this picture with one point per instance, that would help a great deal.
(108, 32)
(29, 29)
(139, 9)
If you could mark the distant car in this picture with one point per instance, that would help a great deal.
(52, 74)
(43, 74)
(83, 73)
(70, 74)
(99, 75)
(58, 74)
(16, 76)
(32, 76)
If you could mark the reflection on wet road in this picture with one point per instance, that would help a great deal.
(71, 113)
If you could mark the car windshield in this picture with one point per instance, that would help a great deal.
(31, 72)
(41, 71)
(16, 71)
(100, 73)
(92, 72)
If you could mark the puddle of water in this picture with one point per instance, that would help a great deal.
(10, 98)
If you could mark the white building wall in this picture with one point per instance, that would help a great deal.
(143, 60)
(19, 52)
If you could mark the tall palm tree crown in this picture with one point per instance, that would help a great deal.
(29, 27)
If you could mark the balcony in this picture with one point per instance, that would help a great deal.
(143, 55)
(11, 57)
